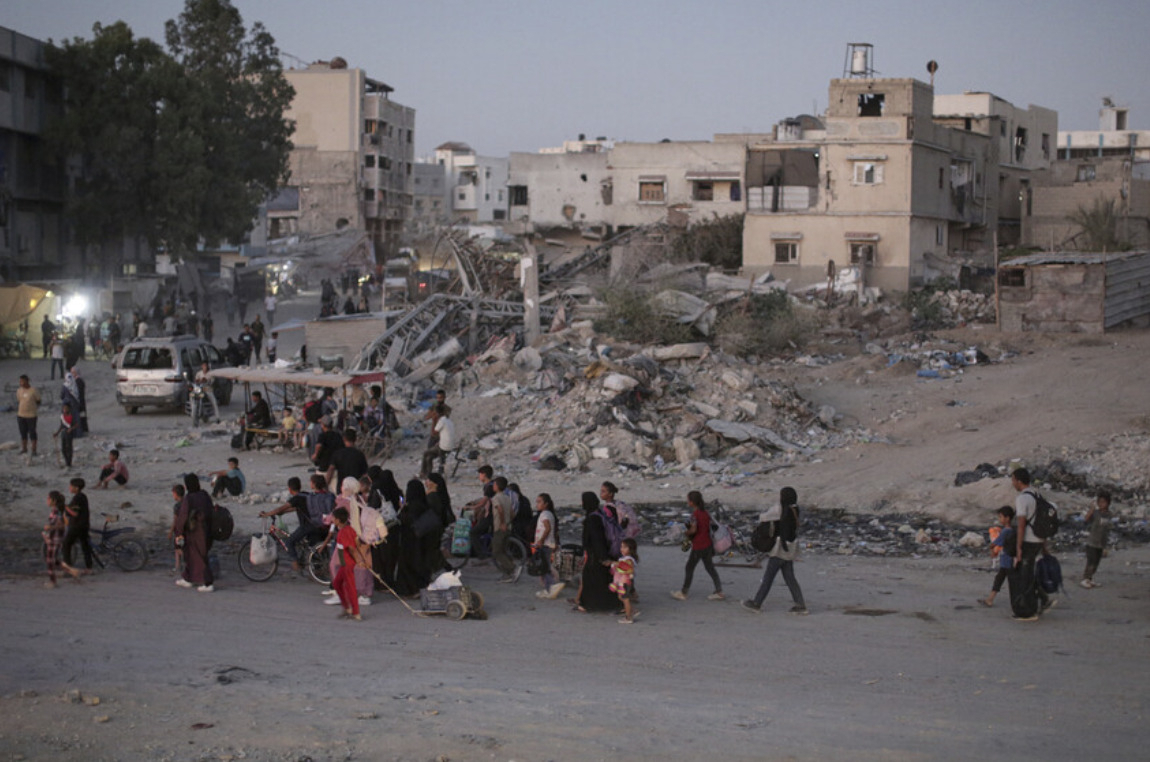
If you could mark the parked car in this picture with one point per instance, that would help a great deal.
(159, 371)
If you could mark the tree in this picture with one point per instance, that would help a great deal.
(1099, 226)
(176, 147)
(717, 241)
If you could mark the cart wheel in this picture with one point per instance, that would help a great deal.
(456, 610)
(476, 599)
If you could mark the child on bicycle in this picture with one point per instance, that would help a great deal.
(53, 535)
(178, 493)
(623, 581)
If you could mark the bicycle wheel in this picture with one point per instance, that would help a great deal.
(256, 572)
(517, 550)
(319, 564)
(130, 555)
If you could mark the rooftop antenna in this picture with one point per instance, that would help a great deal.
(932, 67)
(859, 63)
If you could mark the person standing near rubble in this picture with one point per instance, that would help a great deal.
(1098, 525)
(702, 549)
(443, 431)
(1029, 544)
(595, 584)
(502, 506)
(782, 555)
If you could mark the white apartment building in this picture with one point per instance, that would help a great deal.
(477, 184)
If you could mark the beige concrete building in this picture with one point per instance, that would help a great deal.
(879, 184)
(1076, 185)
(477, 184)
(352, 164)
(1112, 138)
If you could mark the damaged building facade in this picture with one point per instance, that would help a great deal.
(599, 189)
(1074, 186)
(476, 186)
(886, 186)
(353, 158)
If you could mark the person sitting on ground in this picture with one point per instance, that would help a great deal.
(443, 430)
(230, 480)
(259, 417)
(114, 470)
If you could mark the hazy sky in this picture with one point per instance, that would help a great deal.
(518, 75)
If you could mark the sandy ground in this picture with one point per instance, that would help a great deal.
(278, 678)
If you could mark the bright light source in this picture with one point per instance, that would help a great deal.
(76, 306)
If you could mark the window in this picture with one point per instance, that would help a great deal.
(871, 104)
(518, 195)
(941, 176)
(462, 196)
(1086, 173)
(1046, 145)
(500, 194)
(867, 173)
(736, 191)
(703, 191)
(862, 253)
(1012, 277)
(369, 126)
(651, 192)
(966, 124)
(369, 194)
(1002, 128)
(939, 235)
(786, 252)
(1020, 144)
(369, 161)
(5, 76)
(409, 136)
(498, 214)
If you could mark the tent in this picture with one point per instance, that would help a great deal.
(19, 301)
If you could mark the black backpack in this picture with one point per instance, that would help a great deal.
(1045, 521)
(222, 523)
(767, 533)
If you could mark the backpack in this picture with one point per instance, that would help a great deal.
(1048, 572)
(785, 528)
(614, 533)
(628, 519)
(319, 506)
(311, 411)
(1045, 521)
(721, 539)
(222, 523)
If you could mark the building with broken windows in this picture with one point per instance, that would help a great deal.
(431, 205)
(884, 185)
(602, 188)
(353, 156)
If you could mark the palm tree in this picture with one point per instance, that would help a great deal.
(1098, 226)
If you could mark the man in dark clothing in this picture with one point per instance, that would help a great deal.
(326, 446)
(233, 353)
(257, 336)
(347, 461)
(259, 417)
(247, 342)
(47, 328)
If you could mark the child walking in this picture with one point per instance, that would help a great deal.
(53, 535)
(702, 549)
(1098, 524)
(623, 577)
(1005, 539)
(178, 493)
(347, 548)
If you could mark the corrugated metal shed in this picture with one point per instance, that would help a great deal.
(1073, 291)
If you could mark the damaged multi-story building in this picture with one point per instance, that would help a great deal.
(352, 164)
(898, 182)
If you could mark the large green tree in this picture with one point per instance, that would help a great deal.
(176, 146)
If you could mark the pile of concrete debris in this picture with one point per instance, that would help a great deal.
(579, 397)
(960, 307)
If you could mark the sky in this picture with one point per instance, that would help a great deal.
(520, 75)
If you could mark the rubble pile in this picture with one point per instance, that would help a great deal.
(960, 307)
(1118, 466)
(656, 408)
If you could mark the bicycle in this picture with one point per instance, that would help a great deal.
(517, 550)
(127, 553)
(740, 542)
(316, 557)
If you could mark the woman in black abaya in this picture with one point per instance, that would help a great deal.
(595, 594)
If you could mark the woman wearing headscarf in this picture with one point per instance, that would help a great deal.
(411, 573)
(192, 527)
(594, 593)
(439, 502)
(386, 556)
